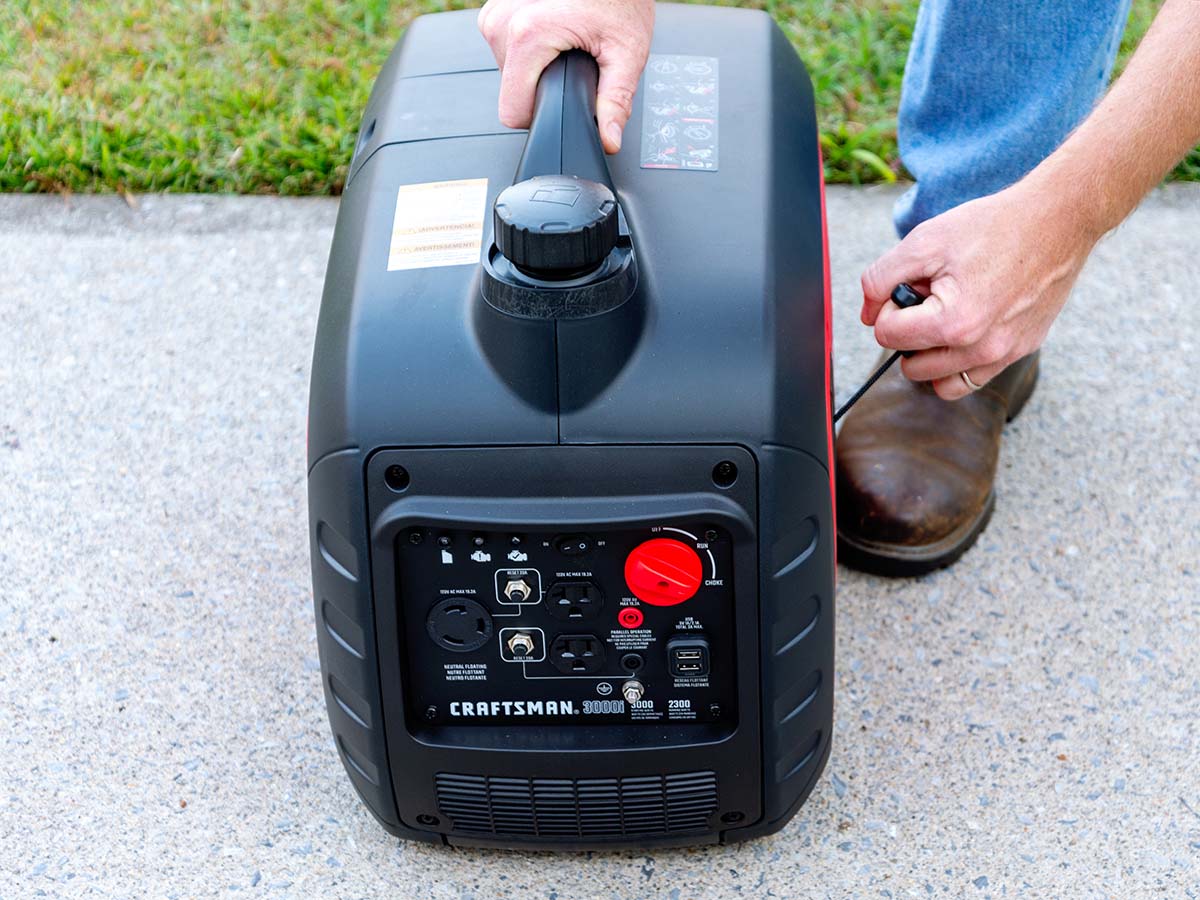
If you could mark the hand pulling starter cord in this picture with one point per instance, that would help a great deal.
(904, 297)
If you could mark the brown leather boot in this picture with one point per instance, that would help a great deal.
(915, 472)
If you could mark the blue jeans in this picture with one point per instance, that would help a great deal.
(991, 89)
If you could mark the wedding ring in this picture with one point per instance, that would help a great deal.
(969, 383)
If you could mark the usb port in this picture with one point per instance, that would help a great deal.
(687, 656)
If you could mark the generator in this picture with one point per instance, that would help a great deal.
(570, 448)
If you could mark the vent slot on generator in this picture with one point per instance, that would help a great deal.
(584, 807)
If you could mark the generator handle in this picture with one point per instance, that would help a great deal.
(564, 138)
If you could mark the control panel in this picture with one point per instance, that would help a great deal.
(584, 626)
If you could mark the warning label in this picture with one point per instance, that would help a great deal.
(679, 117)
(438, 223)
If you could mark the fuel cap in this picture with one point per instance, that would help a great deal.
(556, 226)
(663, 572)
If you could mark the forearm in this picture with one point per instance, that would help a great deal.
(1148, 121)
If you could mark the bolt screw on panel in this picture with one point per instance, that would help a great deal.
(724, 474)
(396, 478)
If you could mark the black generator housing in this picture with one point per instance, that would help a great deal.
(570, 448)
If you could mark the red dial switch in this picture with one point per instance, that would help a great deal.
(663, 572)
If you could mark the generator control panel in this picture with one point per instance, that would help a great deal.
(585, 626)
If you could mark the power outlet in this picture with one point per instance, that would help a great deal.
(577, 654)
(574, 601)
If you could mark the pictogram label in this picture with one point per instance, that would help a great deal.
(679, 113)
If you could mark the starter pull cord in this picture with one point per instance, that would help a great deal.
(904, 297)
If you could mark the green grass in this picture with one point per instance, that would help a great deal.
(264, 96)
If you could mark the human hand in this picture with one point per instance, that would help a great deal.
(997, 271)
(528, 35)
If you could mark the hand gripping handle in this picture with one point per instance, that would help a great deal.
(563, 136)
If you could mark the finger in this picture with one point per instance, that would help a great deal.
(619, 73)
(530, 50)
(942, 362)
(938, 362)
(954, 387)
(493, 25)
(947, 318)
(915, 328)
(903, 263)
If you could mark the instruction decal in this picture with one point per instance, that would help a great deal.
(679, 113)
(438, 223)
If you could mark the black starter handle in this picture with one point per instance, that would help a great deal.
(905, 297)
(563, 136)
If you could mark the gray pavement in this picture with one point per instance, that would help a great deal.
(1024, 724)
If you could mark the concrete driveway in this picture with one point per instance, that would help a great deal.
(1024, 724)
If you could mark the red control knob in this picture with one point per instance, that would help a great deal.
(663, 572)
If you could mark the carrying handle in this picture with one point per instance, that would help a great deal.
(563, 136)
(561, 248)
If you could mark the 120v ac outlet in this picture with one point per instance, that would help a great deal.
(577, 654)
(574, 601)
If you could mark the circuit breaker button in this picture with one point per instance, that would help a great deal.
(663, 572)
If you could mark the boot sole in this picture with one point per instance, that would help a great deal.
(898, 561)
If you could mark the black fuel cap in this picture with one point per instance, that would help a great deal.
(556, 225)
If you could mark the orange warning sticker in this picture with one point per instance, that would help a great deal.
(438, 223)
